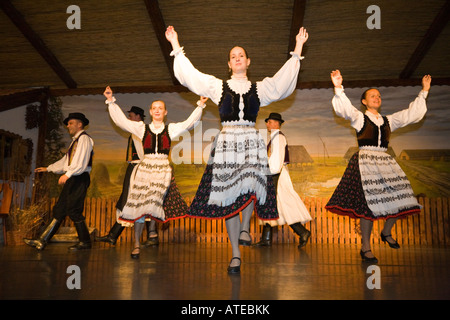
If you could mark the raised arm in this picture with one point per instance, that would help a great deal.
(120, 119)
(342, 104)
(176, 129)
(284, 82)
(416, 110)
(200, 83)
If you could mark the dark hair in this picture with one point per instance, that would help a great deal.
(363, 96)
(246, 53)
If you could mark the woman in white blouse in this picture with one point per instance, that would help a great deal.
(373, 185)
(235, 177)
(151, 179)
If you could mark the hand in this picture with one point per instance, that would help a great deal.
(62, 180)
(203, 100)
(172, 37)
(426, 82)
(41, 169)
(108, 94)
(336, 77)
(302, 36)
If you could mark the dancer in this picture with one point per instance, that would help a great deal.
(235, 177)
(374, 186)
(75, 168)
(134, 155)
(291, 209)
(151, 178)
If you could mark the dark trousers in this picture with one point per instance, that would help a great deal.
(71, 200)
(126, 186)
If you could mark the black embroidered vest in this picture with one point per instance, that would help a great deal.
(286, 148)
(149, 141)
(368, 135)
(73, 149)
(229, 104)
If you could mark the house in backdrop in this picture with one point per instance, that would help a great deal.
(299, 155)
(426, 154)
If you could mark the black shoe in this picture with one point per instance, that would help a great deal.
(245, 242)
(236, 269)
(113, 234)
(84, 237)
(302, 232)
(135, 255)
(366, 258)
(266, 237)
(151, 241)
(394, 245)
(45, 237)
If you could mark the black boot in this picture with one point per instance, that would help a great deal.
(45, 237)
(151, 241)
(83, 237)
(266, 237)
(302, 232)
(113, 234)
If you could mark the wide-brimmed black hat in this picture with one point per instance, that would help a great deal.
(78, 116)
(275, 116)
(138, 111)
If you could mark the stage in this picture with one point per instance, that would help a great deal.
(197, 272)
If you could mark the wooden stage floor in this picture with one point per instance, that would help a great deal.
(196, 272)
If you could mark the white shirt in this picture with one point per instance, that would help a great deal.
(413, 114)
(80, 159)
(270, 89)
(137, 128)
(278, 150)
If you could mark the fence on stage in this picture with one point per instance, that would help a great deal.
(430, 227)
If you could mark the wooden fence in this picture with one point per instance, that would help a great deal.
(430, 227)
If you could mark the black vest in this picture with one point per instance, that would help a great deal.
(286, 148)
(229, 104)
(131, 151)
(368, 135)
(74, 145)
(149, 141)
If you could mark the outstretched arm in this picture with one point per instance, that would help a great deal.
(426, 83)
(336, 78)
(416, 110)
(172, 37)
(300, 39)
(120, 119)
(198, 82)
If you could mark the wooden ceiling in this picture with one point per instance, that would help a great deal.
(122, 43)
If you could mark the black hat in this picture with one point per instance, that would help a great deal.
(138, 111)
(78, 116)
(275, 116)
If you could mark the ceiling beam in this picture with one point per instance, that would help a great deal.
(159, 27)
(14, 100)
(298, 15)
(301, 85)
(16, 17)
(438, 24)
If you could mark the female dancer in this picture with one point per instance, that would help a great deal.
(151, 178)
(374, 186)
(235, 177)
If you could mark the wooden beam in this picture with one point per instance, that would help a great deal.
(18, 99)
(16, 17)
(298, 15)
(159, 27)
(300, 85)
(438, 24)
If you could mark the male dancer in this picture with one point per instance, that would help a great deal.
(75, 167)
(291, 208)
